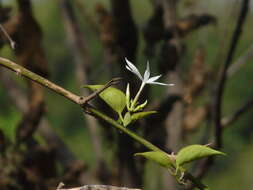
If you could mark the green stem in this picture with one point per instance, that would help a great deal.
(21, 71)
(137, 96)
(115, 124)
(144, 142)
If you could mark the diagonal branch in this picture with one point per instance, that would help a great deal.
(222, 79)
(19, 70)
(80, 100)
(85, 100)
(12, 43)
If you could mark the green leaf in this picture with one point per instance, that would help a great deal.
(140, 115)
(114, 97)
(161, 158)
(127, 119)
(194, 152)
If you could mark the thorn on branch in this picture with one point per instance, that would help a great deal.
(84, 100)
(12, 43)
(61, 184)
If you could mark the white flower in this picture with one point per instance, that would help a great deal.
(145, 79)
(132, 105)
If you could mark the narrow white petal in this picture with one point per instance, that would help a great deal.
(159, 83)
(131, 67)
(128, 91)
(152, 79)
(128, 68)
(147, 73)
(128, 97)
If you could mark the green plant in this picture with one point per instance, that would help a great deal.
(174, 163)
(117, 100)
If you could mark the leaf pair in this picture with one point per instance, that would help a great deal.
(185, 155)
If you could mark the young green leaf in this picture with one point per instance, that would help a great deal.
(194, 152)
(127, 119)
(140, 107)
(161, 158)
(114, 97)
(140, 115)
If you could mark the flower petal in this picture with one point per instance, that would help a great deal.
(133, 69)
(128, 97)
(146, 74)
(159, 83)
(152, 79)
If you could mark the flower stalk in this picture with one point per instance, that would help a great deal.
(134, 102)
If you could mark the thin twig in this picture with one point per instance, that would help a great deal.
(85, 100)
(19, 70)
(222, 79)
(12, 43)
(80, 100)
